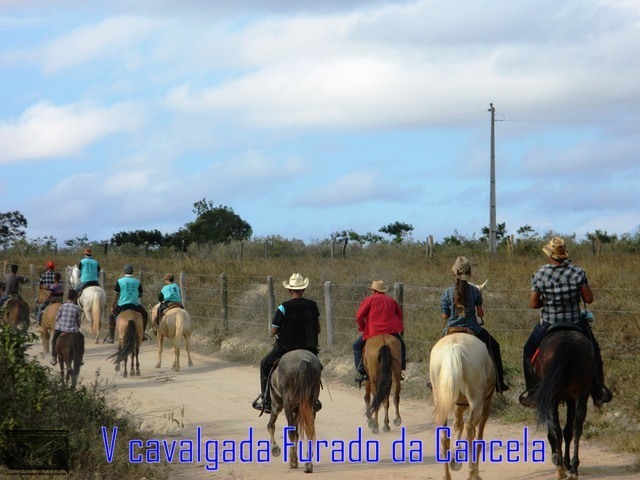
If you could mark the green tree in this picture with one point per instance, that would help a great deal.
(398, 230)
(527, 232)
(12, 228)
(216, 224)
(77, 242)
(139, 237)
(501, 232)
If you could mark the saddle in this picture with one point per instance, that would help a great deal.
(452, 330)
(556, 327)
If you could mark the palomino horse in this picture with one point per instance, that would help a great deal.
(383, 363)
(565, 365)
(175, 325)
(295, 387)
(16, 312)
(463, 377)
(70, 350)
(92, 301)
(131, 333)
(48, 325)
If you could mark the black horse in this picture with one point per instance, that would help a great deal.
(70, 350)
(565, 367)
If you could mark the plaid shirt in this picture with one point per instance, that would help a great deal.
(69, 317)
(559, 287)
(46, 278)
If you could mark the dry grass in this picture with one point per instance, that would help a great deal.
(613, 278)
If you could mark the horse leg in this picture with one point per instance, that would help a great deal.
(137, 353)
(176, 356)
(187, 347)
(458, 426)
(293, 436)
(555, 440)
(160, 345)
(578, 424)
(385, 427)
(486, 411)
(445, 444)
(271, 428)
(367, 402)
(396, 399)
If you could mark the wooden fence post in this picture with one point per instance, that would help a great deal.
(271, 302)
(398, 294)
(102, 279)
(183, 289)
(333, 246)
(224, 306)
(430, 246)
(34, 283)
(328, 307)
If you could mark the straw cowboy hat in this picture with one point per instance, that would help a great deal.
(556, 249)
(462, 269)
(87, 251)
(378, 286)
(296, 282)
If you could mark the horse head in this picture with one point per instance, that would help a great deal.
(73, 276)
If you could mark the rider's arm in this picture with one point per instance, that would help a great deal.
(534, 300)
(586, 293)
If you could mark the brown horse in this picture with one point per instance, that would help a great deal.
(295, 387)
(176, 326)
(48, 325)
(130, 332)
(382, 361)
(565, 366)
(16, 312)
(70, 350)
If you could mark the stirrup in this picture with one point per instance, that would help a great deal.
(317, 406)
(260, 405)
(526, 399)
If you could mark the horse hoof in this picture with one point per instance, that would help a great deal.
(371, 423)
(375, 430)
(386, 428)
(455, 466)
(117, 368)
(97, 341)
(293, 465)
(397, 422)
(157, 365)
(275, 451)
(190, 363)
(308, 467)
(124, 373)
(137, 373)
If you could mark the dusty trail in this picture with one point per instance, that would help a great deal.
(215, 396)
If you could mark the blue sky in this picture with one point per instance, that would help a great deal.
(312, 117)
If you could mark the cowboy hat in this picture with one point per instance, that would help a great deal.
(556, 249)
(296, 282)
(462, 269)
(378, 286)
(87, 251)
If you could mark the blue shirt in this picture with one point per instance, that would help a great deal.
(89, 269)
(129, 290)
(467, 318)
(171, 293)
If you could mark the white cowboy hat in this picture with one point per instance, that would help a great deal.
(296, 282)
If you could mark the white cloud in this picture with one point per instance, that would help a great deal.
(49, 131)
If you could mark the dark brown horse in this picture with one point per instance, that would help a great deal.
(70, 350)
(383, 363)
(131, 333)
(16, 312)
(565, 365)
(295, 387)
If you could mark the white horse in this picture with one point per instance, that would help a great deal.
(175, 325)
(463, 377)
(92, 301)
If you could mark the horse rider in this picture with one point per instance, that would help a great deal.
(378, 314)
(557, 289)
(13, 282)
(128, 291)
(68, 320)
(461, 306)
(46, 277)
(170, 294)
(89, 271)
(55, 293)
(296, 325)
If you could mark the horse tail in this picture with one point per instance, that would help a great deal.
(78, 352)
(306, 394)
(448, 386)
(559, 370)
(128, 344)
(383, 379)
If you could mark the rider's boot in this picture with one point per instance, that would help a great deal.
(109, 338)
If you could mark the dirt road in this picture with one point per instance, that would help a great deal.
(212, 399)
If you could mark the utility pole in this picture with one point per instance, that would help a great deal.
(492, 201)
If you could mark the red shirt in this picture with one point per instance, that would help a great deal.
(379, 314)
